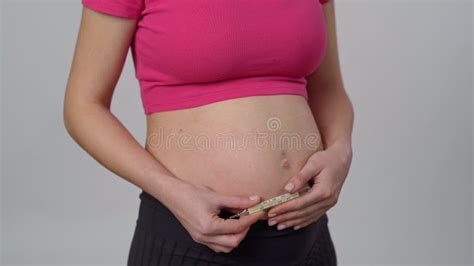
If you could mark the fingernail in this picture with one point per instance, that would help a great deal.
(289, 187)
(272, 214)
(297, 227)
(281, 226)
(253, 197)
(272, 222)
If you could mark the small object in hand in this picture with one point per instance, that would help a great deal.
(270, 203)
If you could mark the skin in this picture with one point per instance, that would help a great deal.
(326, 169)
(100, 53)
(251, 169)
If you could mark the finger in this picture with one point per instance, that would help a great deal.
(297, 221)
(219, 226)
(218, 249)
(318, 193)
(304, 220)
(304, 223)
(237, 202)
(305, 212)
(216, 242)
(227, 240)
(232, 226)
(309, 170)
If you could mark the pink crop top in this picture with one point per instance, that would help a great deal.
(189, 53)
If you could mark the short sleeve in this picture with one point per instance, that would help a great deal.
(121, 8)
(324, 1)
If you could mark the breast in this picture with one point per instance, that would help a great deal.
(249, 145)
(197, 41)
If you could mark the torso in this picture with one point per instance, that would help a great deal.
(223, 83)
(243, 146)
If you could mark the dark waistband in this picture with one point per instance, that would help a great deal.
(258, 229)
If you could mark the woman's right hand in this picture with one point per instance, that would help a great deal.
(197, 207)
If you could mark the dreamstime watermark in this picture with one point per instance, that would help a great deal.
(272, 136)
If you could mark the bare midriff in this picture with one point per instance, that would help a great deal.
(244, 146)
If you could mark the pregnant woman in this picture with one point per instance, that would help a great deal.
(244, 101)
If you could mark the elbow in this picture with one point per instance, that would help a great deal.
(70, 112)
(78, 112)
(349, 103)
(75, 111)
(68, 118)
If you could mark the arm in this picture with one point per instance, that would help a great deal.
(101, 49)
(326, 170)
(330, 105)
(100, 53)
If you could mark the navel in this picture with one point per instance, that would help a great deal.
(285, 163)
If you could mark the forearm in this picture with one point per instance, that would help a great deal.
(327, 98)
(334, 115)
(103, 136)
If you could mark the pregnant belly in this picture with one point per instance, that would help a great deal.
(243, 146)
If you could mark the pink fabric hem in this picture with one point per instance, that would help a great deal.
(217, 97)
(324, 1)
(111, 9)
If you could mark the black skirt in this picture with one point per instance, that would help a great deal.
(160, 239)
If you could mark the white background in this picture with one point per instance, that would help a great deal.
(407, 67)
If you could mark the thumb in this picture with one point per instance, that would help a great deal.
(300, 180)
(237, 203)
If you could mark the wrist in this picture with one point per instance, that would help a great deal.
(343, 147)
(165, 188)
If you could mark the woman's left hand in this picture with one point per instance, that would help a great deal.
(326, 170)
